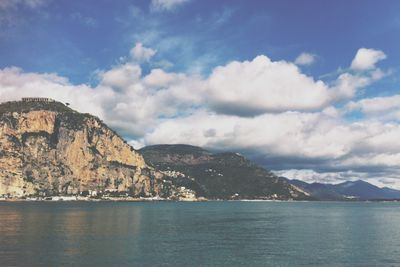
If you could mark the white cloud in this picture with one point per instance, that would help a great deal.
(15, 84)
(139, 102)
(310, 176)
(290, 134)
(305, 59)
(366, 59)
(166, 5)
(127, 101)
(159, 78)
(294, 122)
(259, 86)
(141, 53)
(346, 85)
(375, 104)
(121, 77)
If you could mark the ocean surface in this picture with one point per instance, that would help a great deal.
(200, 234)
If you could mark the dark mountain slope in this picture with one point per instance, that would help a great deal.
(221, 175)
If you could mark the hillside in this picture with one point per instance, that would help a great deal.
(219, 175)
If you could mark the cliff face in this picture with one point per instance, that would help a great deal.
(49, 149)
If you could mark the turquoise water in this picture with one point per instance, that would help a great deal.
(200, 234)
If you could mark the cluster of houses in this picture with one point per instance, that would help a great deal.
(37, 99)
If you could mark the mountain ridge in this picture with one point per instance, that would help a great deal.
(348, 190)
(220, 175)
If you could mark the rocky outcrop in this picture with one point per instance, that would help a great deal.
(50, 149)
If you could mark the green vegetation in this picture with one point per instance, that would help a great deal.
(216, 176)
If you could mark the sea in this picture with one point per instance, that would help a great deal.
(214, 233)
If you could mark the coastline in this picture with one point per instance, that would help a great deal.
(104, 199)
(158, 199)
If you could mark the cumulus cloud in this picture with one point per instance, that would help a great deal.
(160, 78)
(376, 104)
(289, 134)
(127, 101)
(346, 85)
(305, 59)
(166, 5)
(121, 77)
(139, 101)
(265, 109)
(366, 59)
(141, 53)
(261, 85)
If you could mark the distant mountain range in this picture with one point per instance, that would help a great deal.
(357, 190)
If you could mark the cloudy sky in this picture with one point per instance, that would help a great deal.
(309, 89)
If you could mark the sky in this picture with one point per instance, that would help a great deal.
(308, 89)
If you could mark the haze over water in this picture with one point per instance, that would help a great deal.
(200, 234)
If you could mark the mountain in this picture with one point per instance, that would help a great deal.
(48, 149)
(219, 175)
(360, 190)
(364, 190)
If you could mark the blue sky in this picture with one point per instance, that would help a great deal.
(306, 88)
(74, 38)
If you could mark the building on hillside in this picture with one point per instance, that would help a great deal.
(37, 99)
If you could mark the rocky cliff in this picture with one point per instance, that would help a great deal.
(49, 149)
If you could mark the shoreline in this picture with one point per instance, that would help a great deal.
(90, 199)
(157, 199)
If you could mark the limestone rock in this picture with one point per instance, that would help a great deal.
(50, 149)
